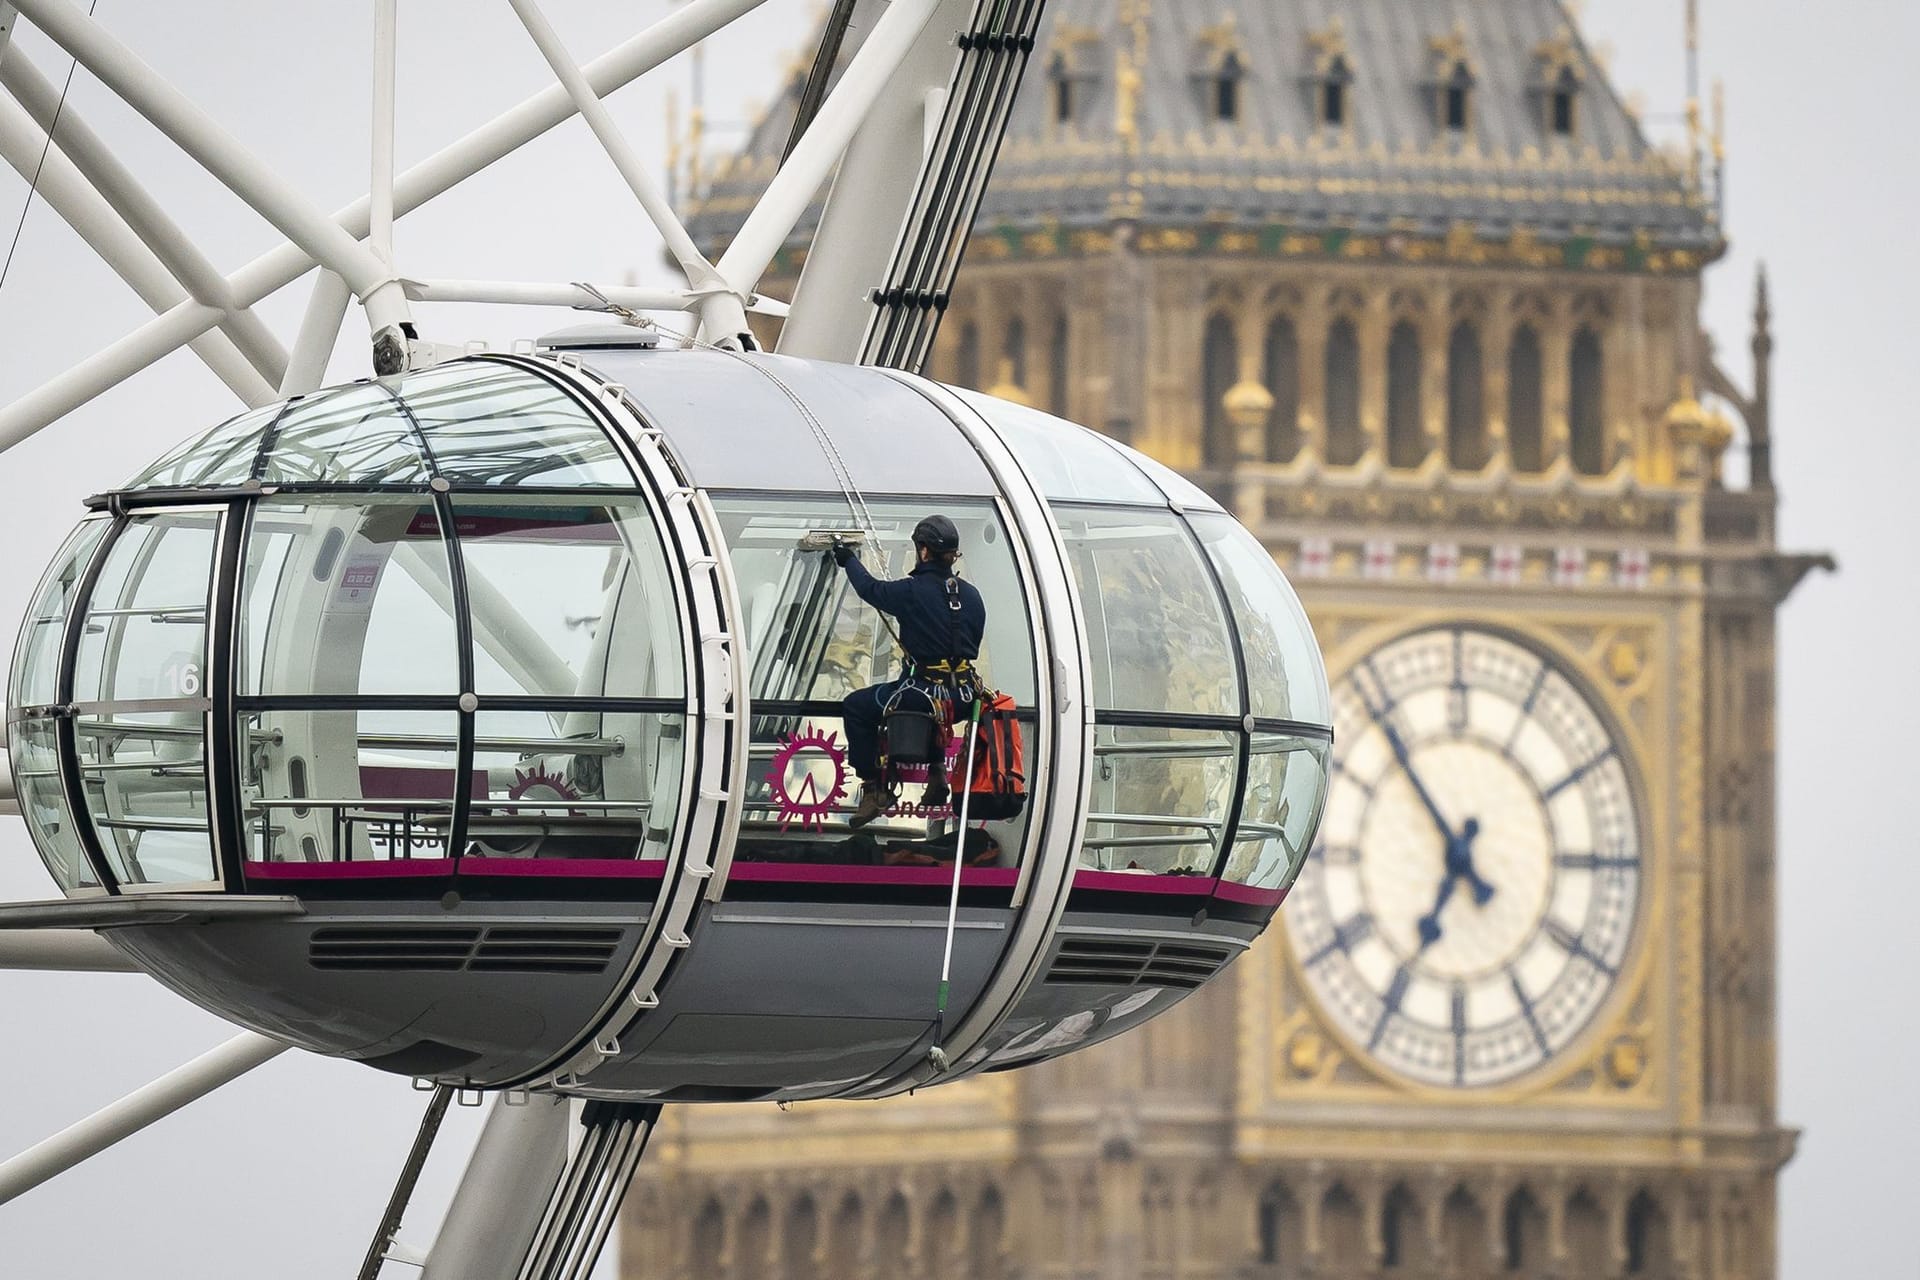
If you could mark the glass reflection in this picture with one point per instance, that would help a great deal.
(1286, 679)
(37, 658)
(33, 753)
(346, 596)
(1160, 799)
(1155, 633)
(575, 784)
(568, 601)
(1286, 790)
(348, 786)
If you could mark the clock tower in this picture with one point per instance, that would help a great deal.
(1406, 285)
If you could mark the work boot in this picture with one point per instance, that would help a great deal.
(875, 799)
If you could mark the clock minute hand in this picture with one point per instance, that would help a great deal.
(1401, 754)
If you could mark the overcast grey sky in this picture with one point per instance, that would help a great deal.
(283, 1174)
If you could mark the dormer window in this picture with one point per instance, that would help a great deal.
(1331, 76)
(1561, 78)
(1456, 95)
(1334, 83)
(1060, 79)
(1226, 88)
(1563, 100)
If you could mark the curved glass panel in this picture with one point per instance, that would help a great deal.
(812, 642)
(228, 449)
(140, 686)
(580, 784)
(471, 422)
(1068, 462)
(32, 751)
(36, 661)
(1286, 790)
(1286, 677)
(1155, 632)
(810, 638)
(495, 424)
(568, 600)
(345, 596)
(355, 435)
(1160, 799)
(348, 786)
(1177, 487)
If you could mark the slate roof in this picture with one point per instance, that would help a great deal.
(1394, 168)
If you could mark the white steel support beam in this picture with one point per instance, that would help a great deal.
(799, 179)
(163, 237)
(221, 155)
(9, 18)
(79, 203)
(386, 18)
(504, 1193)
(868, 202)
(135, 1112)
(61, 951)
(319, 331)
(579, 296)
(432, 177)
(722, 312)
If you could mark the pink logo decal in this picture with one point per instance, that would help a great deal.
(808, 777)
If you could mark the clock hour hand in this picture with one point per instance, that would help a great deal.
(1429, 924)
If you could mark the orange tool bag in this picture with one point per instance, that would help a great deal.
(998, 789)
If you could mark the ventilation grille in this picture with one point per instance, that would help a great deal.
(451, 948)
(1136, 962)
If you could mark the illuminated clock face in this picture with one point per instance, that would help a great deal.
(1470, 903)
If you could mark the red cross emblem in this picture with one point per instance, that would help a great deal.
(1443, 562)
(1631, 569)
(1569, 566)
(1379, 559)
(1504, 566)
(1316, 558)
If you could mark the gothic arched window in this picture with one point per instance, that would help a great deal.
(843, 1239)
(1563, 100)
(1226, 88)
(1523, 1231)
(1396, 1216)
(966, 361)
(1277, 1225)
(800, 1240)
(1406, 434)
(1331, 92)
(1648, 1249)
(1281, 373)
(1059, 367)
(1344, 441)
(1014, 350)
(1343, 1231)
(984, 1236)
(1526, 407)
(1586, 404)
(1466, 403)
(1456, 97)
(1220, 369)
(1463, 1232)
(1060, 81)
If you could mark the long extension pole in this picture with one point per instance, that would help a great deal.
(953, 902)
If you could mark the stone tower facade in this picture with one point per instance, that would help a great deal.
(1405, 284)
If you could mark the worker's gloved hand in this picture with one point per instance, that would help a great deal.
(842, 552)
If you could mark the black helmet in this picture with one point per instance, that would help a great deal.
(936, 533)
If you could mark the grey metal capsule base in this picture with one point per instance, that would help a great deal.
(518, 683)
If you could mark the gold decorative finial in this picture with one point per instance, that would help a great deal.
(1005, 388)
(673, 146)
(1719, 120)
(1127, 83)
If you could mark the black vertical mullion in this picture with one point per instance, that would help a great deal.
(1231, 832)
(222, 754)
(67, 738)
(463, 640)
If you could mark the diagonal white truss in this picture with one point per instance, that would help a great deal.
(87, 184)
